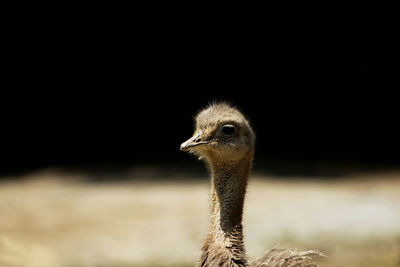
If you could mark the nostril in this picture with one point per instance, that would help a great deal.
(197, 140)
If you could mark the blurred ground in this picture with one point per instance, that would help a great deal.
(53, 218)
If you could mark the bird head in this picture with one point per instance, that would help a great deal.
(221, 133)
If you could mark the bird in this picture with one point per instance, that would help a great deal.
(225, 141)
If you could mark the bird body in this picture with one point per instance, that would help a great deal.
(224, 139)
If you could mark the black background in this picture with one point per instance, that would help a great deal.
(99, 93)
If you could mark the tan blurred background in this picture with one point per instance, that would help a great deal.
(56, 218)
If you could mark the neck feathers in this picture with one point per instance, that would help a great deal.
(224, 243)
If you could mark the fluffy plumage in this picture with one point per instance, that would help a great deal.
(224, 139)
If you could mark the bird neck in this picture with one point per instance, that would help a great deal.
(224, 242)
(228, 188)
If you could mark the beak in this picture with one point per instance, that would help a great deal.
(195, 140)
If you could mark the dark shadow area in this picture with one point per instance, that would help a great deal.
(130, 101)
(319, 169)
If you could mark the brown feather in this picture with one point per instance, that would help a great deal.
(229, 157)
(287, 258)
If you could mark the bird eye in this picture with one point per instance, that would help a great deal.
(228, 129)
